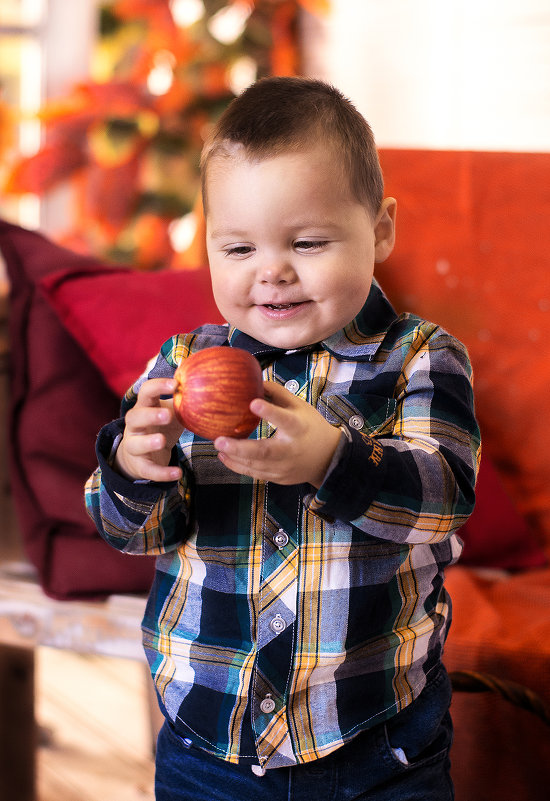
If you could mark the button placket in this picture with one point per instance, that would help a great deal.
(281, 539)
(268, 705)
(277, 624)
(292, 385)
(356, 421)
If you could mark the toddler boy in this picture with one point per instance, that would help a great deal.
(296, 622)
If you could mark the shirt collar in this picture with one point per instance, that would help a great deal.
(358, 341)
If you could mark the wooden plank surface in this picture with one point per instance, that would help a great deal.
(29, 618)
(95, 729)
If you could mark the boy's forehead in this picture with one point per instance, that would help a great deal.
(313, 190)
(230, 154)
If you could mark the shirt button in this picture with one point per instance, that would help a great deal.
(281, 538)
(267, 705)
(356, 421)
(292, 386)
(277, 624)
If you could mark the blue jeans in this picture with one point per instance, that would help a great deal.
(404, 759)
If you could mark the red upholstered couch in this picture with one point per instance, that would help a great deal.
(471, 254)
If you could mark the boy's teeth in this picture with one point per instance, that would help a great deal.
(280, 305)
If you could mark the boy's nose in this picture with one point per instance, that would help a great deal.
(277, 271)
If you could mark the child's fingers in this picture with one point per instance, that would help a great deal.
(138, 444)
(152, 409)
(141, 419)
(164, 474)
(278, 395)
(151, 391)
(245, 451)
(277, 405)
(260, 459)
(245, 462)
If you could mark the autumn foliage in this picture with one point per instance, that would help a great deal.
(128, 140)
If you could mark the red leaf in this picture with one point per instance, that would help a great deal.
(50, 166)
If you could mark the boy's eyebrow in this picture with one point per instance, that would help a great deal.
(295, 226)
(232, 232)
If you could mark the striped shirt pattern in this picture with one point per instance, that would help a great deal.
(282, 620)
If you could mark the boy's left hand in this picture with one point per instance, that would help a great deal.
(300, 450)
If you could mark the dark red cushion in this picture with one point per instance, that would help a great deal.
(59, 401)
(81, 332)
(496, 535)
(120, 317)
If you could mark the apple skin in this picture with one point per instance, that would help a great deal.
(214, 390)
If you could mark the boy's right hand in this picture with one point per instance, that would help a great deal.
(151, 432)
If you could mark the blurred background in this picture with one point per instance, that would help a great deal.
(104, 105)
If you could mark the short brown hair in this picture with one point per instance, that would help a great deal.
(278, 114)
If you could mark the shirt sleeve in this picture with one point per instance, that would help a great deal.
(416, 485)
(137, 517)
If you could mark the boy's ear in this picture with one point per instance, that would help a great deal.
(384, 229)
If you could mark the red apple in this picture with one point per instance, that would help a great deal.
(214, 390)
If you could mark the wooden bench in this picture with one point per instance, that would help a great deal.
(28, 619)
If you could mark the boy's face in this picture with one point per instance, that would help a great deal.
(291, 251)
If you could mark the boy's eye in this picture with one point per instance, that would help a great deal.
(310, 244)
(239, 250)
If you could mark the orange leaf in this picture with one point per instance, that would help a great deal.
(156, 12)
(213, 80)
(317, 7)
(95, 101)
(111, 196)
(284, 52)
(116, 98)
(152, 242)
(46, 169)
(7, 128)
(176, 98)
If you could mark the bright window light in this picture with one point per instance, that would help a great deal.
(32, 11)
(228, 24)
(182, 231)
(161, 77)
(242, 73)
(31, 95)
(186, 12)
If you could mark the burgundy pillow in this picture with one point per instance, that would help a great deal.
(121, 317)
(496, 535)
(58, 403)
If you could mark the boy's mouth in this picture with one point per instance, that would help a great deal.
(282, 311)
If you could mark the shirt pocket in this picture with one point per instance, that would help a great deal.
(373, 415)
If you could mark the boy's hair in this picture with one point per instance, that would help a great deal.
(277, 115)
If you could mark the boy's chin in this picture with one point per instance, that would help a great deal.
(278, 339)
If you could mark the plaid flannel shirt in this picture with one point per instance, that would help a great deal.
(283, 621)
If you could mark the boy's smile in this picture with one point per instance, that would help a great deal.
(291, 251)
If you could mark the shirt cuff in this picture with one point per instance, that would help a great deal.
(353, 479)
(108, 440)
